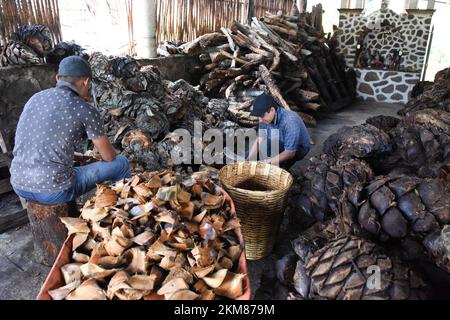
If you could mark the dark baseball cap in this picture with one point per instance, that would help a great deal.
(262, 104)
(74, 66)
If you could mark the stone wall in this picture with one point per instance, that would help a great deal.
(385, 86)
(17, 85)
(408, 32)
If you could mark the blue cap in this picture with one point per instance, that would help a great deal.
(262, 104)
(74, 66)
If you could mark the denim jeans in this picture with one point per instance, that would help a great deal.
(85, 179)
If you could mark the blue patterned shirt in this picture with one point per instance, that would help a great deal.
(292, 132)
(52, 123)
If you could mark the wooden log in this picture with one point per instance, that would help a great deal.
(227, 33)
(277, 57)
(300, 76)
(241, 78)
(271, 85)
(247, 83)
(273, 19)
(232, 57)
(309, 121)
(310, 95)
(340, 78)
(210, 66)
(316, 17)
(229, 90)
(204, 78)
(244, 41)
(204, 58)
(289, 48)
(49, 233)
(312, 106)
(294, 10)
(235, 56)
(293, 87)
(207, 40)
(229, 87)
(321, 63)
(253, 56)
(216, 57)
(316, 77)
(241, 114)
(213, 83)
(225, 47)
(257, 41)
(302, 5)
(281, 30)
(341, 68)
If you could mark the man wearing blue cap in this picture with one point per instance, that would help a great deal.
(52, 123)
(278, 125)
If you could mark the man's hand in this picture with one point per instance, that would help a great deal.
(105, 148)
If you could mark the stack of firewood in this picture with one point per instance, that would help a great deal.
(284, 55)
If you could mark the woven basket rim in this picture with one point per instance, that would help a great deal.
(290, 180)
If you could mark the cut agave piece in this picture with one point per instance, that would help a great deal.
(61, 293)
(88, 290)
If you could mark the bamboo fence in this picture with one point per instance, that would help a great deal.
(185, 20)
(17, 12)
(182, 20)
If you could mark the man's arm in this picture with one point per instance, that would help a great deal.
(105, 148)
(284, 156)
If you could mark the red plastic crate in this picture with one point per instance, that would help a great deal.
(55, 278)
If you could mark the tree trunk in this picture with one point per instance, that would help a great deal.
(49, 232)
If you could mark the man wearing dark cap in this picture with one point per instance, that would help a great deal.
(52, 123)
(278, 125)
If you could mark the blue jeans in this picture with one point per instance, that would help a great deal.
(85, 179)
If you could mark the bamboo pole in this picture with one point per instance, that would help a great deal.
(188, 19)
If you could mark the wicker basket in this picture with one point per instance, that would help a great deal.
(259, 191)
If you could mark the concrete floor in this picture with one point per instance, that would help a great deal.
(21, 278)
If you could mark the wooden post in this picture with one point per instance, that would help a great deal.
(359, 4)
(251, 11)
(302, 5)
(413, 4)
(430, 5)
(344, 4)
(49, 233)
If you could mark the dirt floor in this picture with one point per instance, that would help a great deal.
(21, 278)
